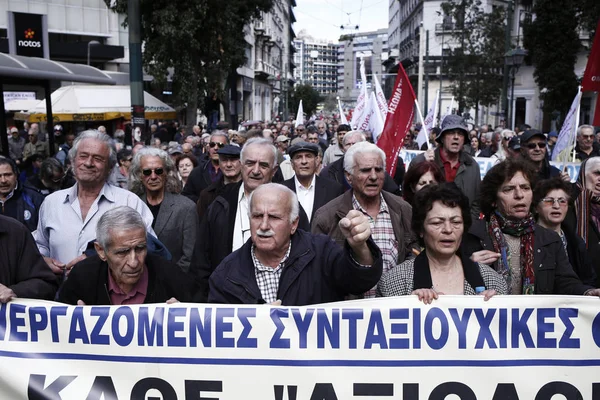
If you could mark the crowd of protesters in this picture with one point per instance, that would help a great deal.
(293, 214)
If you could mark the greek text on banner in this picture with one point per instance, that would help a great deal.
(397, 348)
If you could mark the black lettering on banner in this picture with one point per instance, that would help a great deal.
(374, 389)
(143, 386)
(506, 391)
(194, 389)
(548, 391)
(323, 391)
(410, 391)
(459, 389)
(103, 388)
(36, 390)
(291, 390)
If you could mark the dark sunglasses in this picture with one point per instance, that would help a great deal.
(539, 145)
(213, 144)
(157, 171)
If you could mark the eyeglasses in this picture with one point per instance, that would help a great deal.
(213, 144)
(157, 171)
(549, 201)
(539, 145)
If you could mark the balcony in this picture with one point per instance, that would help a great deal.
(264, 70)
(446, 27)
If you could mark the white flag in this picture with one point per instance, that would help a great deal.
(358, 115)
(380, 98)
(343, 119)
(375, 121)
(567, 136)
(423, 136)
(448, 111)
(300, 115)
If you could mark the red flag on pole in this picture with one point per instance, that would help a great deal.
(398, 121)
(591, 77)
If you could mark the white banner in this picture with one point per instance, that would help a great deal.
(382, 104)
(485, 164)
(428, 124)
(459, 347)
(358, 115)
(299, 115)
(567, 137)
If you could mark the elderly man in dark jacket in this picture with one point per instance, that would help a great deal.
(282, 264)
(458, 166)
(123, 273)
(23, 272)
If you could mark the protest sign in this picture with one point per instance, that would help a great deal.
(398, 348)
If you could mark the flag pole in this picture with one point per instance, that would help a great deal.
(576, 125)
(422, 122)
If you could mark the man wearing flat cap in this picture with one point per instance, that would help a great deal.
(458, 166)
(535, 149)
(312, 190)
(229, 161)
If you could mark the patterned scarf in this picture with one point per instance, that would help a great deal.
(587, 206)
(523, 228)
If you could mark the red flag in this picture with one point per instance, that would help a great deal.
(591, 77)
(398, 121)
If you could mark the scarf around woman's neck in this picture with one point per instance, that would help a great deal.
(524, 229)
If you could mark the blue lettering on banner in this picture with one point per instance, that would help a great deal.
(150, 332)
(302, 325)
(200, 326)
(96, 337)
(244, 341)
(318, 328)
(175, 326)
(15, 322)
(328, 326)
(461, 324)
(78, 330)
(125, 339)
(223, 327)
(38, 319)
(277, 342)
(436, 314)
(353, 316)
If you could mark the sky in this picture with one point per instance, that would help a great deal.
(322, 18)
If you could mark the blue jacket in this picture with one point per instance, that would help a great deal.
(24, 206)
(317, 271)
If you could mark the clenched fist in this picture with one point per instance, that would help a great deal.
(355, 228)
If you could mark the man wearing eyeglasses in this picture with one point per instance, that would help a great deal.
(534, 149)
(207, 172)
(34, 146)
(586, 147)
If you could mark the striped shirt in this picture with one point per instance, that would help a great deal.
(382, 232)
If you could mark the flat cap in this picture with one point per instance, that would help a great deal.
(229, 150)
(530, 133)
(304, 146)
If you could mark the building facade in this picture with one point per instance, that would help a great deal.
(316, 64)
(414, 23)
(372, 47)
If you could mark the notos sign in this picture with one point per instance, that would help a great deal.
(29, 36)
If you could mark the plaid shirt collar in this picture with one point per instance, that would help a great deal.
(383, 207)
(261, 267)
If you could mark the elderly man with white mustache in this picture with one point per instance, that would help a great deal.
(285, 265)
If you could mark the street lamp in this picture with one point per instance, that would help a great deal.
(513, 59)
(90, 44)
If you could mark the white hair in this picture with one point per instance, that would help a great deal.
(118, 218)
(293, 205)
(96, 135)
(582, 127)
(361, 148)
(259, 141)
